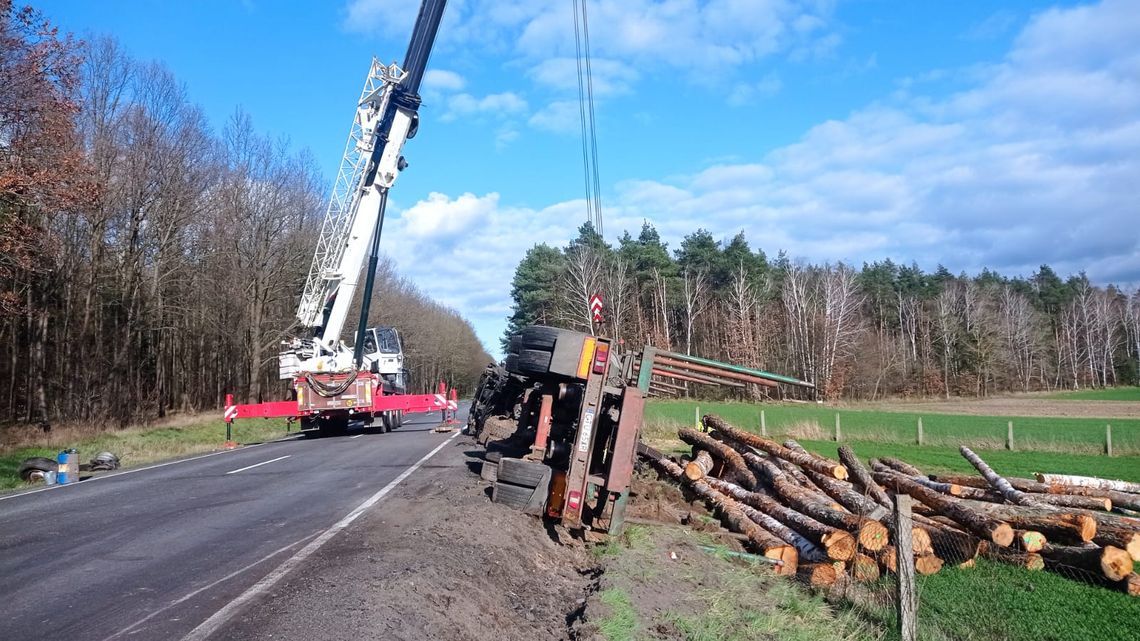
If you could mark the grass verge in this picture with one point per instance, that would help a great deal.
(133, 446)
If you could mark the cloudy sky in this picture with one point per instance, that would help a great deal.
(967, 134)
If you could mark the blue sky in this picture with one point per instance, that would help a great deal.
(965, 133)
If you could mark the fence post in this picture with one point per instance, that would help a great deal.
(697, 417)
(906, 598)
(1108, 439)
(838, 433)
(919, 430)
(1009, 436)
(763, 425)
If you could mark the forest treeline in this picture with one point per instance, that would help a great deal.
(883, 329)
(147, 262)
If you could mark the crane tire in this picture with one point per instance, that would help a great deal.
(37, 464)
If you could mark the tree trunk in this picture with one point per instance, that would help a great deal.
(1063, 493)
(1088, 481)
(861, 476)
(971, 519)
(699, 467)
(1110, 562)
(732, 460)
(996, 481)
(773, 448)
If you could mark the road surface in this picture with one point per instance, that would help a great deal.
(154, 553)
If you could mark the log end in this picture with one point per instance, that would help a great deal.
(1034, 562)
(927, 564)
(1115, 563)
(1131, 585)
(873, 536)
(955, 489)
(1086, 526)
(1002, 535)
(1133, 546)
(967, 564)
(818, 575)
(839, 545)
(693, 472)
(864, 569)
(839, 472)
(1030, 540)
(889, 558)
(921, 542)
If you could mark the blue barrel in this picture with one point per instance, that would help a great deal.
(68, 467)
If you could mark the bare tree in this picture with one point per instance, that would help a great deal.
(695, 284)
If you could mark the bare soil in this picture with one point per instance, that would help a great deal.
(1014, 406)
(434, 560)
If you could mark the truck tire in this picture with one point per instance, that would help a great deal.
(515, 344)
(533, 361)
(512, 363)
(522, 473)
(37, 464)
(511, 496)
(544, 338)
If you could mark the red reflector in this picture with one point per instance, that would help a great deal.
(601, 355)
(575, 500)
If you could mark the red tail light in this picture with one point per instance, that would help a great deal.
(574, 501)
(601, 356)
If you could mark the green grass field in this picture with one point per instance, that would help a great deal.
(1109, 394)
(991, 602)
(136, 446)
(816, 422)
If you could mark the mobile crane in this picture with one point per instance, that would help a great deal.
(334, 383)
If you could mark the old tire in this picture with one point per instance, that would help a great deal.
(522, 473)
(544, 338)
(37, 464)
(512, 363)
(515, 344)
(511, 496)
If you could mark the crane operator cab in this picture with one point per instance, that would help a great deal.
(384, 355)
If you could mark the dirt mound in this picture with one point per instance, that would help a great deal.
(435, 560)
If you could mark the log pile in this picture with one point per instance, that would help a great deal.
(829, 521)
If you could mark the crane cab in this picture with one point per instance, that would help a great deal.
(384, 355)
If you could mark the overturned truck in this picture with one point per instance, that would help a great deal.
(575, 404)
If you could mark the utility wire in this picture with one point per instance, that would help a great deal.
(582, 116)
(587, 117)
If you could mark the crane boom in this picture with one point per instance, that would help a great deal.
(387, 115)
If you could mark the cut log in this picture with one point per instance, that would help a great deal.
(1028, 540)
(888, 558)
(733, 462)
(700, 466)
(971, 520)
(871, 534)
(818, 575)
(837, 543)
(864, 569)
(730, 512)
(995, 480)
(901, 466)
(792, 470)
(967, 564)
(861, 476)
(877, 465)
(1110, 562)
(1085, 498)
(1029, 560)
(806, 461)
(927, 564)
(1122, 537)
(1089, 481)
(955, 546)
(808, 551)
(1057, 526)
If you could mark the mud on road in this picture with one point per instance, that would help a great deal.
(434, 560)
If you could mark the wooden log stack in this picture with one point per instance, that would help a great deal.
(829, 521)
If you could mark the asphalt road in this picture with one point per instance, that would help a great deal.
(152, 553)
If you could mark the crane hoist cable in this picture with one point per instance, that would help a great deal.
(586, 115)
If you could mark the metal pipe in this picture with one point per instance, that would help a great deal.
(734, 368)
(723, 371)
(694, 378)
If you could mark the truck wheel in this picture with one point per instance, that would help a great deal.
(515, 344)
(522, 473)
(533, 361)
(512, 363)
(544, 338)
(37, 464)
(511, 496)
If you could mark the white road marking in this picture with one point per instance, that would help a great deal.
(219, 618)
(207, 587)
(250, 467)
(357, 436)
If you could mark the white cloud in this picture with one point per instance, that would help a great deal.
(746, 93)
(466, 105)
(560, 116)
(610, 77)
(443, 80)
(440, 219)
